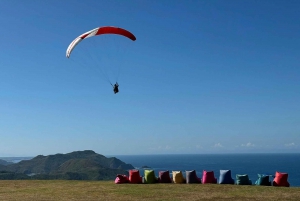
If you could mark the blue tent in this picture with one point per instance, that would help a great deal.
(225, 177)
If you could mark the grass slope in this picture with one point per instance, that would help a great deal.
(106, 190)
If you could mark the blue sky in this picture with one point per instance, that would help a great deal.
(202, 77)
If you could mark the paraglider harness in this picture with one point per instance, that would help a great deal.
(116, 87)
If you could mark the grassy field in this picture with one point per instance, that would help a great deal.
(29, 190)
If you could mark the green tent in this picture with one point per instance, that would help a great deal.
(149, 177)
(263, 180)
(243, 179)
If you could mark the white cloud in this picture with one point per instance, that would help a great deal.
(199, 147)
(290, 144)
(218, 145)
(167, 147)
(249, 144)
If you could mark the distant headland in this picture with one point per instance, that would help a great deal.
(77, 165)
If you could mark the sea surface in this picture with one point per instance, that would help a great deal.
(251, 164)
(15, 159)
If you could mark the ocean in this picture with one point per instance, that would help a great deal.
(251, 164)
(15, 159)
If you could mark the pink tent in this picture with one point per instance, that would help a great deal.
(121, 179)
(208, 177)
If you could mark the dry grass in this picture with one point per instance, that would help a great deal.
(30, 190)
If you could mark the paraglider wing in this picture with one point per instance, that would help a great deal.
(99, 31)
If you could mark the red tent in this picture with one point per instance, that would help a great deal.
(281, 179)
(134, 177)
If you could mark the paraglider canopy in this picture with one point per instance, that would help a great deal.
(99, 31)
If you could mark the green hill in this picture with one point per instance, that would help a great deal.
(79, 165)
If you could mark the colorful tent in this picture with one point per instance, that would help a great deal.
(281, 179)
(208, 177)
(243, 179)
(134, 177)
(121, 179)
(178, 177)
(149, 177)
(263, 180)
(164, 177)
(191, 177)
(225, 177)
